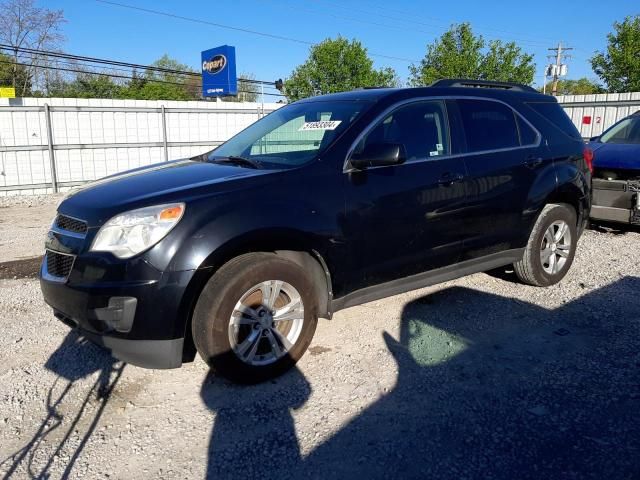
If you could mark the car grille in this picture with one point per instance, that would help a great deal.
(71, 224)
(59, 264)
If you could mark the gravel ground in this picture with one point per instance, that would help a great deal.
(477, 378)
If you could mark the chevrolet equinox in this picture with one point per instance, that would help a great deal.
(326, 203)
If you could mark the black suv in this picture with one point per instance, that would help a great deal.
(326, 203)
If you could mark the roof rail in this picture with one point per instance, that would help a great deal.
(468, 83)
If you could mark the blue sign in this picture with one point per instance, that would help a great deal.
(219, 72)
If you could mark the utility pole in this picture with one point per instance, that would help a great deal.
(558, 69)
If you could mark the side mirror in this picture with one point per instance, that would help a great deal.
(594, 139)
(379, 155)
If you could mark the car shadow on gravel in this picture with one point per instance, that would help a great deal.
(488, 387)
(253, 434)
(70, 422)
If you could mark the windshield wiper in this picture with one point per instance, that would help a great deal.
(240, 161)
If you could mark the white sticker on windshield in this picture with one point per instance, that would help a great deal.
(323, 125)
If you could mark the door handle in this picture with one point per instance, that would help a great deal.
(533, 162)
(448, 179)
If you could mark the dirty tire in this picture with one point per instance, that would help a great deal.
(210, 326)
(530, 269)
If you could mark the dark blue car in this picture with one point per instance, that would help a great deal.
(616, 180)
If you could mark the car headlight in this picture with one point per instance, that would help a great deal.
(130, 233)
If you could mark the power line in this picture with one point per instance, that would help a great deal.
(80, 58)
(56, 61)
(411, 20)
(238, 29)
(69, 56)
(113, 75)
(354, 19)
(144, 68)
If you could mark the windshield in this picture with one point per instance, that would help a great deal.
(292, 135)
(627, 131)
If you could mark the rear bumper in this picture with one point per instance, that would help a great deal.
(611, 214)
(139, 318)
(616, 201)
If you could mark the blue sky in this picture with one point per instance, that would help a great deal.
(399, 29)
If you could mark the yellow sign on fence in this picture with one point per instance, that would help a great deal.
(7, 92)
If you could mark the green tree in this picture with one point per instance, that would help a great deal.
(87, 85)
(336, 65)
(247, 90)
(619, 66)
(167, 85)
(458, 53)
(14, 75)
(581, 86)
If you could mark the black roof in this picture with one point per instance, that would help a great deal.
(459, 87)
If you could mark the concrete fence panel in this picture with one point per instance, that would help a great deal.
(49, 144)
(57, 143)
(593, 114)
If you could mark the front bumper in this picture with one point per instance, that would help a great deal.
(142, 353)
(130, 308)
(616, 201)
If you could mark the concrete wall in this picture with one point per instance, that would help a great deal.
(93, 138)
(601, 110)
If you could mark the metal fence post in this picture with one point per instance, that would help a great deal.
(164, 133)
(52, 156)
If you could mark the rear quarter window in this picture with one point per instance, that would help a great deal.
(554, 113)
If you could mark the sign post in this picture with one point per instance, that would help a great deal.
(219, 72)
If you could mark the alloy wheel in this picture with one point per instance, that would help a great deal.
(556, 247)
(266, 322)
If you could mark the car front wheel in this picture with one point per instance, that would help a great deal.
(255, 317)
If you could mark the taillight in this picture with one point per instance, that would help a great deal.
(588, 157)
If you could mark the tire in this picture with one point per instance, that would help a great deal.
(246, 353)
(532, 269)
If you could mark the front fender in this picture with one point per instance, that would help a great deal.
(234, 226)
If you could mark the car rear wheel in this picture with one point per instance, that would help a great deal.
(551, 247)
(255, 317)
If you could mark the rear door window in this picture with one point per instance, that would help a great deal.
(528, 136)
(488, 125)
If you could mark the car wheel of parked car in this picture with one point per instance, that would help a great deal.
(551, 247)
(255, 317)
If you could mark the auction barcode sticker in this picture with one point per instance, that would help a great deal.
(323, 125)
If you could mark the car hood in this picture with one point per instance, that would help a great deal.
(615, 155)
(164, 182)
